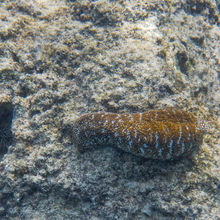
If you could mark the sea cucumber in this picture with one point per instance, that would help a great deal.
(158, 134)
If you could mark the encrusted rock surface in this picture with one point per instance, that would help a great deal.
(60, 59)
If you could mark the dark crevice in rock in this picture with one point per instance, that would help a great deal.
(182, 61)
(6, 116)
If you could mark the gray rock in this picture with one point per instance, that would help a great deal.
(60, 59)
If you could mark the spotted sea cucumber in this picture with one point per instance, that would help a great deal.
(158, 134)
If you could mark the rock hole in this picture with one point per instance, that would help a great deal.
(6, 115)
(182, 61)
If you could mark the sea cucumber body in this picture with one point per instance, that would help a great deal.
(158, 134)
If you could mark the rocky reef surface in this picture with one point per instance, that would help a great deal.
(60, 59)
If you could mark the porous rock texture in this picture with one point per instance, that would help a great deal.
(60, 59)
